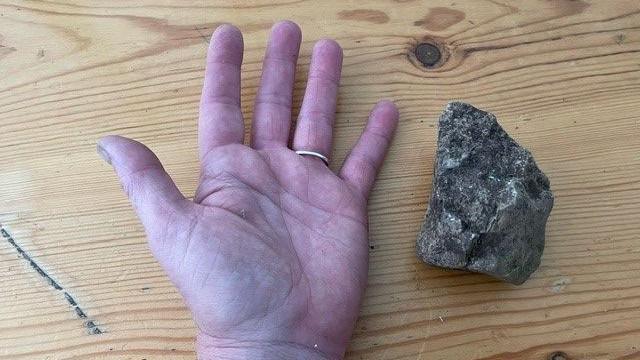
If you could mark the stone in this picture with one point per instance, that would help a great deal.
(489, 201)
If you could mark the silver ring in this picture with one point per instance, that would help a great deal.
(314, 154)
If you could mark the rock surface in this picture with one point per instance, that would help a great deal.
(490, 201)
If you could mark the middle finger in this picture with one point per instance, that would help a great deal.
(272, 111)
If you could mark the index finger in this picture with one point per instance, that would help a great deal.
(220, 121)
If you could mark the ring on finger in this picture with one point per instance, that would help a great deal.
(318, 155)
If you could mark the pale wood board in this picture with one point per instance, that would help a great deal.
(563, 77)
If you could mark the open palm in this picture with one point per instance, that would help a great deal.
(271, 256)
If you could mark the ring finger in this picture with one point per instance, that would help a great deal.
(314, 130)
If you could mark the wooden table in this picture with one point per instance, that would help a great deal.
(562, 76)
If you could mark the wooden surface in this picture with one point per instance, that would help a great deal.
(563, 76)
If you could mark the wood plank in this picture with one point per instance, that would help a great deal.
(562, 76)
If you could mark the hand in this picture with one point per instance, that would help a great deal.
(271, 255)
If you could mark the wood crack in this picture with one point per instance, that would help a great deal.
(89, 324)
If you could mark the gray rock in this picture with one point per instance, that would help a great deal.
(490, 201)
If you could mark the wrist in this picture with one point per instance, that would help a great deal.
(210, 348)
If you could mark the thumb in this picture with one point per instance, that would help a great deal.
(152, 193)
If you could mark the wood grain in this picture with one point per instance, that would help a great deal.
(563, 76)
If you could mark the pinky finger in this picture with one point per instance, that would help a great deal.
(363, 163)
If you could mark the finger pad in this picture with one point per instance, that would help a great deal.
(285, 38)
(384, 117)
(226, 45)
(327, 57)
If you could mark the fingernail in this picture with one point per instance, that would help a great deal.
(104, 154)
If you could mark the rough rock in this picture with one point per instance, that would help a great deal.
(490, 201)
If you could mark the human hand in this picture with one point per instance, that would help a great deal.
(271, 255)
